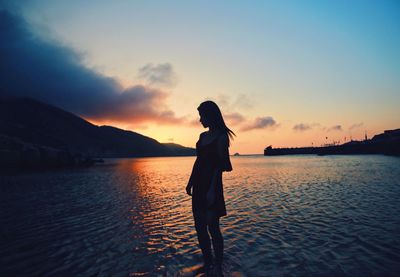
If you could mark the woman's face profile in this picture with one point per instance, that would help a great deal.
(203, 120)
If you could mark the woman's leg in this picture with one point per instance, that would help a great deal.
(217, 239)
(200, 221)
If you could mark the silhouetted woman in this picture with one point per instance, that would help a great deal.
(205, 183)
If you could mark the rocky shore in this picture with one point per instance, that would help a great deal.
(16, 154)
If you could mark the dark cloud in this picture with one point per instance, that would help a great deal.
(260, 123)
(355, 126)
(158, 75)
(335, 128)
(234, 118)
(47, 71)
(302, 127)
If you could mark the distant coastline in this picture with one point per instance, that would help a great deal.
(35, 135)
(387, 143)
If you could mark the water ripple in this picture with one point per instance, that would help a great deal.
(300, 215)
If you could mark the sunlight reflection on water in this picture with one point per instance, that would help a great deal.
(301, 215)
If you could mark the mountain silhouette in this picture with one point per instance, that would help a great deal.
(26, 121)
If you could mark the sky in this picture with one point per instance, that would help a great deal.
(284, 73)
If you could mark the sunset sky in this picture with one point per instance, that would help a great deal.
(284, 73)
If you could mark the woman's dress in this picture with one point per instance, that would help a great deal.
(208, 165)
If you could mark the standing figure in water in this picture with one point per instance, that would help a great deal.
(205, 183)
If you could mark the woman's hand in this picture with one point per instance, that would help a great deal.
(189, 189)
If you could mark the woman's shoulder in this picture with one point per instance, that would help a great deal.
(220, 137)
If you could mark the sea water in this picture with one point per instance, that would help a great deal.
(293, 215)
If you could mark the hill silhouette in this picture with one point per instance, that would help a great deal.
(28, 123)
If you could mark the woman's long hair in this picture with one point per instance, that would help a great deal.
(212, 112)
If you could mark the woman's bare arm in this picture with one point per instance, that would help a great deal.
(194, 169)
(190, 183)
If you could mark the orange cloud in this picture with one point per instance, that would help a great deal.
(261, 123)
(137, 104)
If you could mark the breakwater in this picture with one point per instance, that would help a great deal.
(387, 143)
